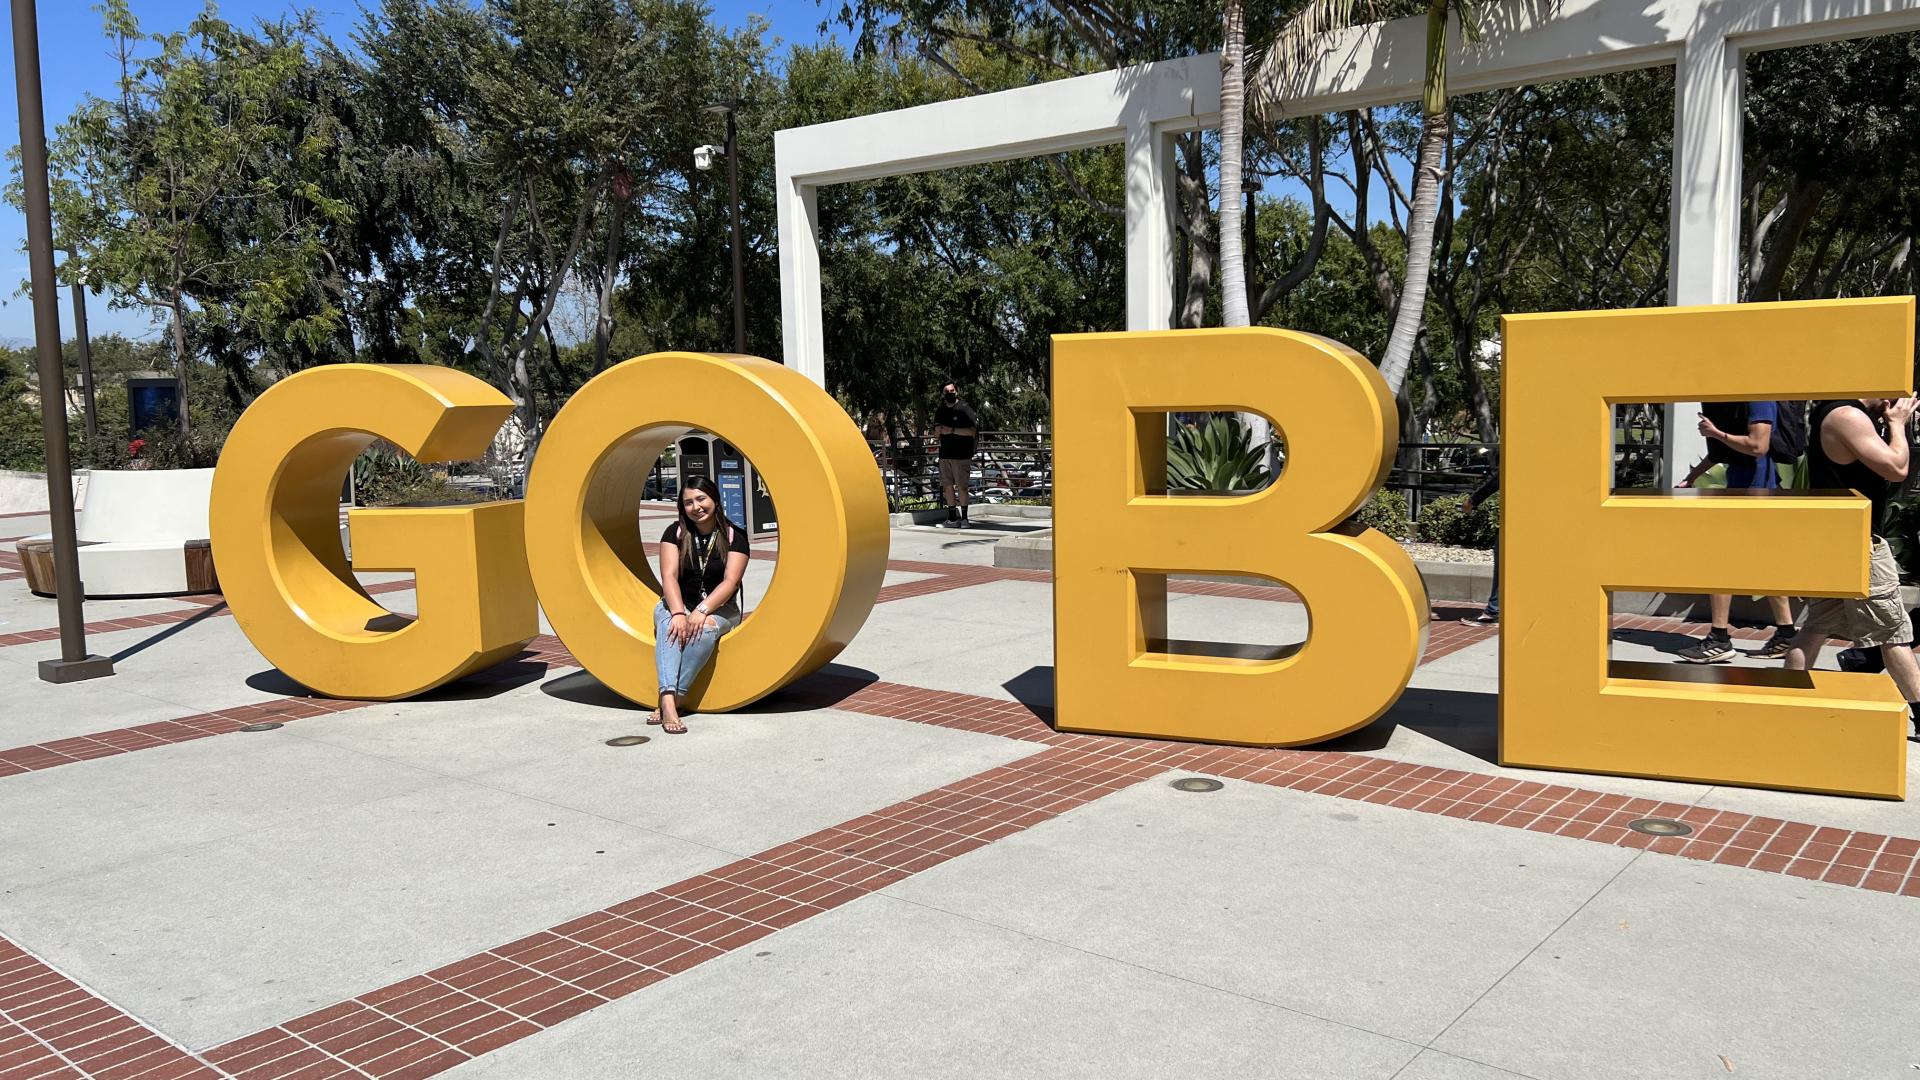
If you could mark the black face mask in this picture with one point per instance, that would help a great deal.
(951, 398)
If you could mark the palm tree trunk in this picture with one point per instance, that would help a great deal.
(1233, 120)
(1427, 175)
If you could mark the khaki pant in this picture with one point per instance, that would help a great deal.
(1880, 619)
(954, 474)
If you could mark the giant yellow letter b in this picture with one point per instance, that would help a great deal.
(1569, 539)
(1117, 534)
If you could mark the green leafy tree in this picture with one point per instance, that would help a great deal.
(165, 195)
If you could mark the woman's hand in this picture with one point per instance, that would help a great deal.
(677, 629)
(696, 622)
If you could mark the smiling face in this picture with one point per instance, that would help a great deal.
(698, 507)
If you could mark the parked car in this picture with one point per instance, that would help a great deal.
(1035, 493)
(994, 495)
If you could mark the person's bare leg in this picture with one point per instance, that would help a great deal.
(1904, 669)
(948, 498)
(670, 715)
(1718, 609)
(1806, 646)
(1782, 610)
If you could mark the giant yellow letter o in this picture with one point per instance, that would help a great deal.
(584, 544)
(276, 533)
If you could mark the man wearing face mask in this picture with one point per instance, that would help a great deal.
(957, 425)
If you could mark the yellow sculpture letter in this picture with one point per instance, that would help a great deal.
(1117, 534)
(583, 539)
(276, 534)
(1569, 539)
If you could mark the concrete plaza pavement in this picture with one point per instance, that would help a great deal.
(896, 869)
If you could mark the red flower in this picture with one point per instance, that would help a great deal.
(134, 447)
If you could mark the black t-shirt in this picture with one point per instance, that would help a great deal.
(1730, 417)
(701, 576)
(1824, 473)
(956, 415)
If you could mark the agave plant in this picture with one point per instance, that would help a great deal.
(1219, 455)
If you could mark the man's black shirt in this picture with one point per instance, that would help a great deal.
(955, 415)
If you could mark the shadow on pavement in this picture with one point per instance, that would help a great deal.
(147, 643)
(824, 689)
(1467, 721)
(1665, 641)
(1034, 689)
(490, 683)
(583, 689)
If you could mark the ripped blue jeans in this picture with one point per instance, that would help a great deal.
(679, 665)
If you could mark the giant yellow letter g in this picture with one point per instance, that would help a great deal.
(276, 534)
(1117, 535)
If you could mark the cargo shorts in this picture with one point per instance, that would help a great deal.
(1880, 619)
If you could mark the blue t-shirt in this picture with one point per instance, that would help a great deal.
(1746, 472)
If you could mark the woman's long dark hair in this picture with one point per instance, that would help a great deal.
(722, 528)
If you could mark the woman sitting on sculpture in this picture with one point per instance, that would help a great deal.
(702, 559)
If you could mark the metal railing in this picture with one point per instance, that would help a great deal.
(1017, 466)
(1008, 466)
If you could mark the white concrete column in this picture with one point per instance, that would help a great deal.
(1150, 210)
(1704, 264)
(803, 338)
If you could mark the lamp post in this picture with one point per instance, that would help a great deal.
(703, 160)
(86, 361)
(75, 663)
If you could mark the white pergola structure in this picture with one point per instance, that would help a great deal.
(1524, 41)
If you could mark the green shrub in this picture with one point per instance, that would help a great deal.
(1447, 521)
(166, 448)
(432, 489)
(383, 477)
(1216, 456)
(1386, 511)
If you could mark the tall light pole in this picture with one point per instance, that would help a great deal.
(75, 663)
(731, 150)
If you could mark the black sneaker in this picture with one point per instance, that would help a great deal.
(1711, 649)
(963, 523)
(1777, 647)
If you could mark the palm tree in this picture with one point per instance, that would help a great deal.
(1233, 123)
(1293, 51)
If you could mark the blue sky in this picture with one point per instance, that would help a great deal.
(74, 61)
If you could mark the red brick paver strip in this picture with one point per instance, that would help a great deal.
(52, 1027)
(1720, 836)
(1772, 845)
(202, 602)
(1725, 837)
(433, 1021)
(37, 757)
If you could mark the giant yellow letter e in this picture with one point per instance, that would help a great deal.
(1117, 534)
(1569, 539)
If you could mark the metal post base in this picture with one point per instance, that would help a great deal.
(70, 671)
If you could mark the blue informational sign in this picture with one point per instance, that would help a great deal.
(732, 482)
(152, 404)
